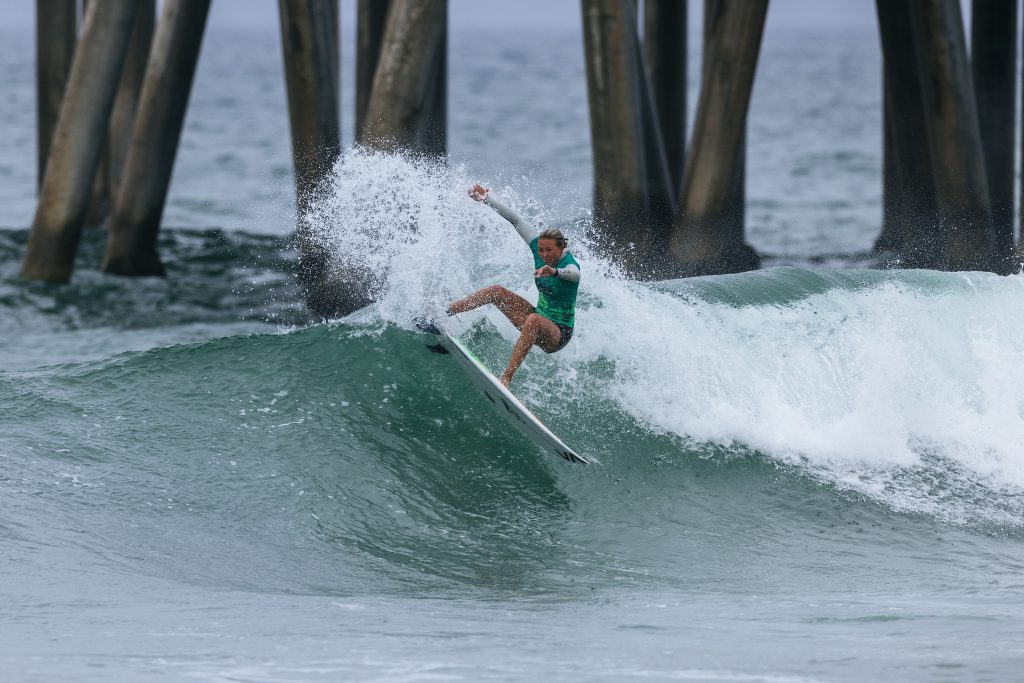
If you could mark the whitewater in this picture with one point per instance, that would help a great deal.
(899, 385)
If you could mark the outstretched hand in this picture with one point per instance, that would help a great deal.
(478, 192)
(544, 271)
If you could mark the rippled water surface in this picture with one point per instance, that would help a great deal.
(808, 473)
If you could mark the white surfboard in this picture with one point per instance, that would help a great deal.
(505, 401)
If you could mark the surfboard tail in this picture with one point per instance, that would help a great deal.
(507, 403)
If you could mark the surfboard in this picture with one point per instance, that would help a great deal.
(506, 402)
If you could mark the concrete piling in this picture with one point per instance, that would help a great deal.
(135, 225)
(311, 76)
(908, 190)
(993, 68)
(633, 191)
(56, 35)
(335, 9)
(407, 106)
(662, 190)
(704, 239)
(735, 212)
(129, 91)
(435, 136)
(122, 118)
(371, 21)
(621, 188)
(665, 44)
(964, 239)
(78, 140)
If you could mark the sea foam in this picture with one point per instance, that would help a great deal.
(902, 385)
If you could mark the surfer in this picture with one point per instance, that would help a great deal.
(549, 324)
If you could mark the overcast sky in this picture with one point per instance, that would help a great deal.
(521, 14)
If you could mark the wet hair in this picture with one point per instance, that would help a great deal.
(556, 235)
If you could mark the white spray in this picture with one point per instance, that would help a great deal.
(897, 390)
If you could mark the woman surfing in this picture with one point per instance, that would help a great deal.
(549, 324)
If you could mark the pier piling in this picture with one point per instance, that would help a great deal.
(735, 215)
(135, 225)
(407, 106)
(909, 204)
(662, 207)
(665, 44)
(56, 36)
(371, 21)
(963, 239)
(129, 91)
(335, 9)
(435, 137)
(122, 118)
(634, 198)
(78, 140)
(311, 76)
(993, 67)
(706, 238)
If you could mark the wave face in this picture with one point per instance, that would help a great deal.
(346, 459)
(898, 385)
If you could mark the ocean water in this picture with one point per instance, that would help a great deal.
(808, 473)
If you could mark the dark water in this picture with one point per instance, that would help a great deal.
(808, 473)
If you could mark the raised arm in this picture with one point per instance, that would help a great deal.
(525, 230)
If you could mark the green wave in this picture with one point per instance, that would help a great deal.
(336, 457)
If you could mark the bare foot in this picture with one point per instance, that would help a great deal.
(478, 192)
(505, 381)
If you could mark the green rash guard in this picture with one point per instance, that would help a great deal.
(557, 300)
(557, 297)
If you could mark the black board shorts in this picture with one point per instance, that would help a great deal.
(566, 336)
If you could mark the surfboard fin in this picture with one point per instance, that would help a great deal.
(436, 348)
(426, 325)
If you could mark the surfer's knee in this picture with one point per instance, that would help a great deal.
(497, 294)
(487, 295)
(499, 290)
